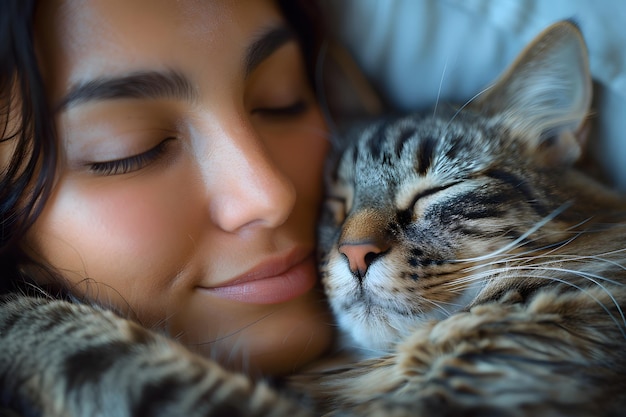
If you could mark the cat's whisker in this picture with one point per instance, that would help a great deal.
(462, 283)
(573, 227)
(560, 258)
(600, 303)
(497, 259)
(552, 257)
(529, 272)
(513, 273)
(521, 258)
(541, 266)
(467, 103)
(515, 243)
(438, 305)
(443, 75)
(593, 278)
(553, 248)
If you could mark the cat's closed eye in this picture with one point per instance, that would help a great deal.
(428, 192)
(337, 207)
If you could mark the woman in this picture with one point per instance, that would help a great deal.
(163, 159)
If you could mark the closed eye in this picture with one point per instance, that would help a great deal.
(431, 191)
(131, 163)
(337, 207)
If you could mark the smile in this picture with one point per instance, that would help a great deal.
(272, 282)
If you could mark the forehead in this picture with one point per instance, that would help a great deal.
(82, 39)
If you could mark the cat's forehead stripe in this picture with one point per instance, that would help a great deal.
(425, 154)
(404, 136)
(376, 141)
(379, 144)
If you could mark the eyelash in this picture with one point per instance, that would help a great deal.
(139, 161)
(131, 163)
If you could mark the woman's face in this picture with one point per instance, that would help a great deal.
(189, 177)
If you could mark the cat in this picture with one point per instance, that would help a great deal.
(478, 270)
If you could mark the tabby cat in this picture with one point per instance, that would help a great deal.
(478, 268)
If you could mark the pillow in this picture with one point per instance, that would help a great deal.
(418, 51)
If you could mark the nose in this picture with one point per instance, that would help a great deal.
(364, 238)
(361, 255)
(252, 191)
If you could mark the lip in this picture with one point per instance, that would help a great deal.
(274, 281)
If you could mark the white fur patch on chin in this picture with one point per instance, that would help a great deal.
(372, 330)
(367, 315)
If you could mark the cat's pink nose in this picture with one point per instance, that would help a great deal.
(360, 256)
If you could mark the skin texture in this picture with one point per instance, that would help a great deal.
(221, 186)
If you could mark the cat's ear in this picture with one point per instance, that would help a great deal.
(546, 93)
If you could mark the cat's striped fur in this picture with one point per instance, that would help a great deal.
(483, 273)
(59, 359)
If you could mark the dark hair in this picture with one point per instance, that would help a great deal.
(306, 20)
(26, 126)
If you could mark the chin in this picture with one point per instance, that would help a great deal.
(298, 334)
(276, 340)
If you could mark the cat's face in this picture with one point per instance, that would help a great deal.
(419, 209)
(410, 204)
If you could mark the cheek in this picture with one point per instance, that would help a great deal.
(132, 234)
(128, 222)
(301, 156)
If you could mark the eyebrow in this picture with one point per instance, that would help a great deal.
(139, 85)
(167, 84)
(266, 45)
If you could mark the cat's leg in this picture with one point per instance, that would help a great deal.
(62, 359)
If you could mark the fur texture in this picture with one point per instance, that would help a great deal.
(466, 255)
(70, 360)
